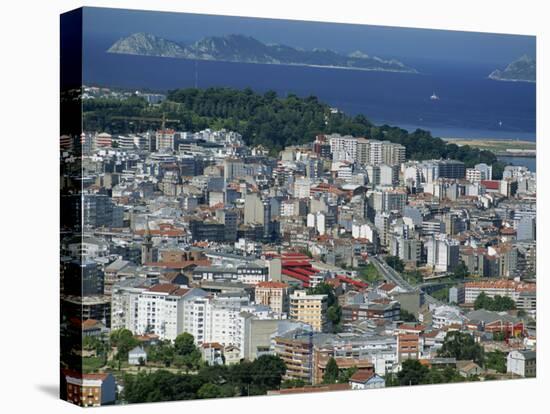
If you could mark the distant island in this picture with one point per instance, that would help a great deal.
(246, 49)
(520, 70)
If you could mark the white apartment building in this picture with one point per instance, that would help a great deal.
(373, 152)
(363, 231)
(317, 221)
(473, 175)
(343, 148)
(230, 327)
(124, 306)
(225, 321)
(389, 174)
(196, 319)
(443, 253)
(479, 172)
(160, 311)
(485, 170)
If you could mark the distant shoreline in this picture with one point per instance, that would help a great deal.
(510, 80)
(309, 65)
(501, 147)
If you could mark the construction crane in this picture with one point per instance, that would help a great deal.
(163, 120)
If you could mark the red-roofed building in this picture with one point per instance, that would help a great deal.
(212, 353)
(491, 185)
(297, 268)
(364, 380)
(408, 346)
(274, 295)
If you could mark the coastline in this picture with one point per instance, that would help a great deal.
(373, 69)
(501, 147)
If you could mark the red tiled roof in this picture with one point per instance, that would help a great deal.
(164, 288)
(214, 345)
(89, 323)
(362, 376)
(353, 282)
(302, 278)
(491, 184)
(387, 286)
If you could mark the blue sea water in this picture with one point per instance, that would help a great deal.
(470, 105)
(529, 162)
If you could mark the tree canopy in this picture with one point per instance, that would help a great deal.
(396, 263)
(246, 378)
(496, 360)
(462, 346)
(331, 372)
(124, 341)
(412, 372)
(497, 304)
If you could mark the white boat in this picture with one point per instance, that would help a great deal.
(434, 97)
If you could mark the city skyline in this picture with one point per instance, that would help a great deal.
(222, 239)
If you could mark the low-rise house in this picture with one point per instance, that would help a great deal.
(468, 368)
(363, 380)
(522, 363)
(232, 355)
(137, 356)
(92, 327)
(212, 353)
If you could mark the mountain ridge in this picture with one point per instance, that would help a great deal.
(520, 70)
(246, 49)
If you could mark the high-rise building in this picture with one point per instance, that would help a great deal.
(311, 309)
(343, 148)
(375, 152)
(321, 146)
(165, 140)
(443, 253)
(389, 174)
(526, 228)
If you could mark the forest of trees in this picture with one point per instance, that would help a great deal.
(267, 119)
(497, 304)
(216, 381)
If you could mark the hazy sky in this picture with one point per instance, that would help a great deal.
(382, 41)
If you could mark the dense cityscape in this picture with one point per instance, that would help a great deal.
(211, 264)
